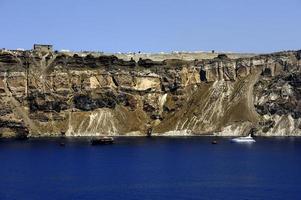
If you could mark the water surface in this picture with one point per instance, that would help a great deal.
(151, 168)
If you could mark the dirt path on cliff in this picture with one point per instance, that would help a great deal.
(18, 109)
(250, 95)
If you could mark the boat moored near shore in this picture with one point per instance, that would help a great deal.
(247, 139)
(102, 140)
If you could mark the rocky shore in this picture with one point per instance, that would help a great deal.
(45, 93)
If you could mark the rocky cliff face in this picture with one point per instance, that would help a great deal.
(53, 94)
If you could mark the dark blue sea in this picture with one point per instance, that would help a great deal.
(150, 168)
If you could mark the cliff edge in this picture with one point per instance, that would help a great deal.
(45, 93)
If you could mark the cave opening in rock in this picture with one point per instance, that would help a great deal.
(203, 75)
(267, 72)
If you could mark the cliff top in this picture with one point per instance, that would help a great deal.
(160, 56)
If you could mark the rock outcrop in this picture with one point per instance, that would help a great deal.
(55, 94)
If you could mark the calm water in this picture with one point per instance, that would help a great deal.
(156, 168)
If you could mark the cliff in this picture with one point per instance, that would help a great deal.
(55, 93)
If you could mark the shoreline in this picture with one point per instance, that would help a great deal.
(133, 137)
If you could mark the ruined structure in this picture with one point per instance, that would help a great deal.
(42, 47)
(46, 93)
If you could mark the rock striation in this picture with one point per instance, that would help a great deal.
(57, 93)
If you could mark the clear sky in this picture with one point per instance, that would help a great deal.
(152, 25)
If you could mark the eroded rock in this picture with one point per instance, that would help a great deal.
(47, 93)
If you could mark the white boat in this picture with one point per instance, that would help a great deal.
(247, 139)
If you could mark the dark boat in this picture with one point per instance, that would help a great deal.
(214, 142)
(102, 140)
(62, 144)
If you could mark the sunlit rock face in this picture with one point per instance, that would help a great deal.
(55, 94)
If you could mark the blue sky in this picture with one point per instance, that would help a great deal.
(152, 25)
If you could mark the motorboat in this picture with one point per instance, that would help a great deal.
(214, 142)
(102, 140)
(247, 139)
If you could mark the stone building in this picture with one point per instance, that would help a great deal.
(42, 47)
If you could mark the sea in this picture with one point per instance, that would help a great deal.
(155, 168)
